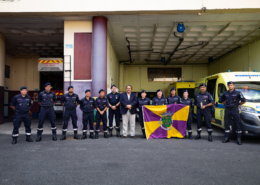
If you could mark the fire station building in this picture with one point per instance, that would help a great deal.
(94, 44)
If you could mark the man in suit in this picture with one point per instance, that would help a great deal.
(128, 102)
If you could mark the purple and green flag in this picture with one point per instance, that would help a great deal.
(165, 121)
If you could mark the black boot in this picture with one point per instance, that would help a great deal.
(91, 135)
(76, 136)
(226, 140)
(190, 135)
(198, 136)
(96, 135)
(39, 138)
(63, 137)
(54, 138)
(210, 138)
(14, 140)
(118, 133)
(143, 131)
(28, 138)
(105, 135)
(239, 142)
(110, 133)
(84, 136)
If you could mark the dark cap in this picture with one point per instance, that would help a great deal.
(185, 90)
(158, 90)
(101, 90)
(70, 87)
(48, 83)
(203, 84)
(23, 87)
(143, 91)
(230, 83)
(173, 88)
(88, 90)
(112, 86)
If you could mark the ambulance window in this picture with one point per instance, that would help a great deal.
(221, 89)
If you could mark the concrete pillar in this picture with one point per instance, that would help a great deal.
(99, 55)
(2, 76)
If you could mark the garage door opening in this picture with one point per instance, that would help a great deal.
(56, 80)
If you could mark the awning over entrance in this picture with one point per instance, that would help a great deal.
(50, 64)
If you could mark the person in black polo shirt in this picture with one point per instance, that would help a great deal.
(173, 98)
(203, 101)
(47, 99)
(114, 109)
(70, 101)
(101, 105)
(87, 105)
(159, 99)
(187, 101)
(140, 103)
(232, 99)
(21, 103)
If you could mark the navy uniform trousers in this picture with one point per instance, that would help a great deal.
(234, 113)
(204, 113)
(111, 113)
(18, 119)
(102, 118)
(189, 122)
(46, 111)
(70, 113)
(88, 118)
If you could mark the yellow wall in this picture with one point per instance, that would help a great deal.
(137, 77)
(112, 65)
(246, 58)
(23, 71)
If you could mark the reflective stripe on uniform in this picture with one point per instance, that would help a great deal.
(200, 129)
(28, 134)
(15, 135)
(227, 131)
(54, 128)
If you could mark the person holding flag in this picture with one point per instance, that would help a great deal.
(187, 101)
(140, 103)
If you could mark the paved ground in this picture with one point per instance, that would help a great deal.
(128, 161)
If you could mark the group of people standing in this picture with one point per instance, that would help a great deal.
(125, 104)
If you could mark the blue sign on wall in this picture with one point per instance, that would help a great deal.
(69, 46)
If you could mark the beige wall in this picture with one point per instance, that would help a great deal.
(2, 60)
(112, 65)
(71, 27)
(137, 77)
(23, 71)
(246, 58)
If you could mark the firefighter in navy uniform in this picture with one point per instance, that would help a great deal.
(101, 105)
(70, 101)
(203, 101)
(114, 109)
(187, 101)
(159, 99)
(173, 98)
(21, 103)
(232, 99)
(47, 99)
(140, 102)
(87, 105)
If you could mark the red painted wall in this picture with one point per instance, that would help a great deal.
(82, 56)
